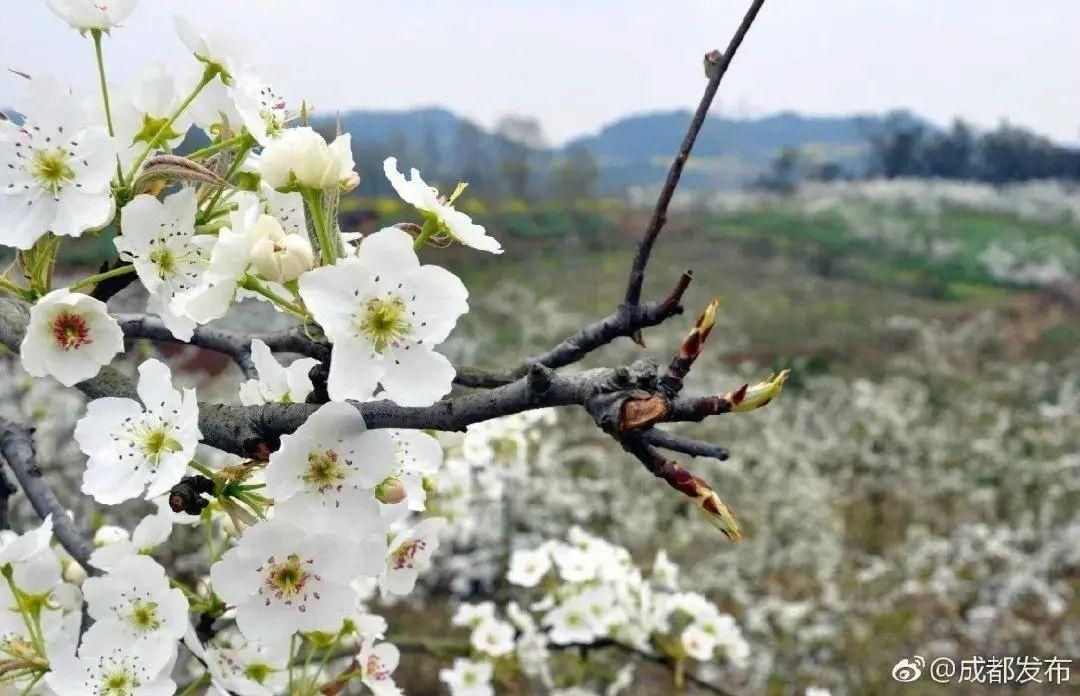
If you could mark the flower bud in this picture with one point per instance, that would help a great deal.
(301, 158)
(350, 182)
(755, 396)
(276, 256)
(110, 534)
(390, 491)
(74, 573)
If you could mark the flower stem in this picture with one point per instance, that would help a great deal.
(292, 654)
(431, 226)
(97, 278)
(30, 687)
(35, 637)
(13, 289)
(217, 147)
(245, 147)
(96, 34)
(254, 285)
(328, 249)
(194, 686)
(208, 76)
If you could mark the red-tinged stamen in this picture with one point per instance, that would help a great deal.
(71, 331)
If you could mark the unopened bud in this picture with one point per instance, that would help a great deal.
(390, 491)
(755, 396)
(350, 182)
(110, 534)
(74, 573)
(277, 256)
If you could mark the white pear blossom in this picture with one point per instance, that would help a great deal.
(410, 552)
(106, 666)
(527, 567)
(422, 196)
(216, 49)
(301, 157)
(70, 337)
(724, 633)
(229, 260)
(55, 168)
(85, 15)
(134, 601)
(262, 110)
(324, 475)
(532, 653)
(159, 238)
(135, 448)
(570, 622)
(697, 643)
(574, 564)
(472, 615)
(493, 637)
(35, 568)
(276, 383)
(282, 579)
(246, 668)
(141, 112)
(378, 662)
(468, 678)
(385, 313)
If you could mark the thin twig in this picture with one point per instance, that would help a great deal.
(626, 321)
(17, 448)
(718, 66)
(678, 443)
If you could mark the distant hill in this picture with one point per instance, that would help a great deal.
(633, 151)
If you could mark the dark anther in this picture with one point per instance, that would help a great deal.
(187, 496)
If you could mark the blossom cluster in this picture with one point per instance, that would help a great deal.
(583, 592)
(297, 540)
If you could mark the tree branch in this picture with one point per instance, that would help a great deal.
(17, 449)
(235, 345)
(716, 66)
(627, 320)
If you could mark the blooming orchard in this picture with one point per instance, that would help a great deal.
(303, 534)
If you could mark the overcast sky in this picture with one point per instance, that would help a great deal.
(578, 64)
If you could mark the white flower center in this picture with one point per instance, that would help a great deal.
(144, 616)
(288, 581)
(382, 321)
(163, 258)
(325, 471)
(118, 680)
(52, 169)
(150, 439)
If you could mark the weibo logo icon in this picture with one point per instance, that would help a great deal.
(908, 670)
